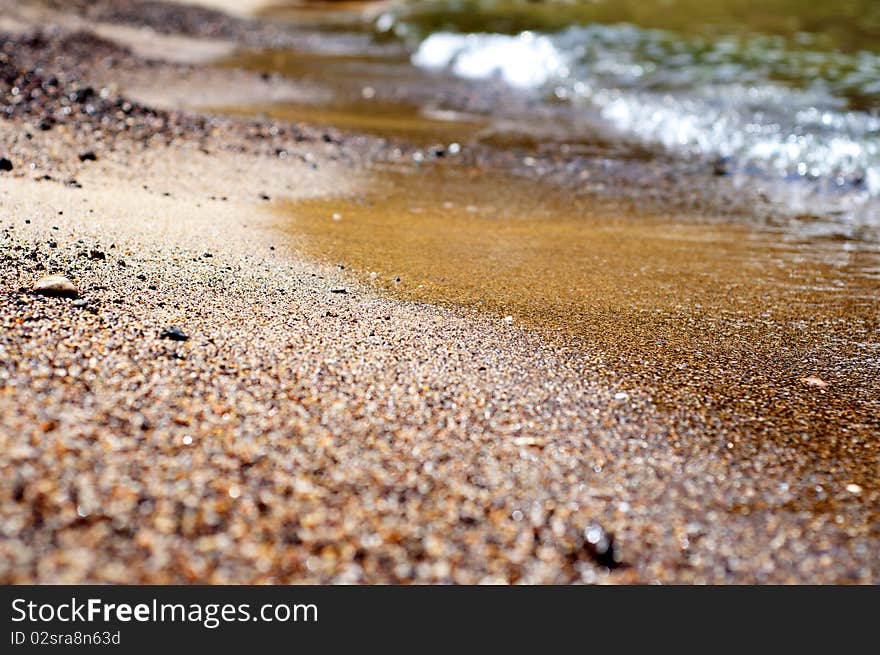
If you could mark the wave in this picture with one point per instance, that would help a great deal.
(758, 103)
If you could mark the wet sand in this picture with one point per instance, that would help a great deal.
(717, 323)
(320, 425)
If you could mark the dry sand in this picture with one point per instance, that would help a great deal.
(233, 7)
(306, 434)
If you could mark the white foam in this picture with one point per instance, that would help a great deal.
(523, 61)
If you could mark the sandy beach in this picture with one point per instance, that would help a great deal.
(234, 397)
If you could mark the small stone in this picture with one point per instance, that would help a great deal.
(814, 381)
(339, 290)
(508, 320)
(56, 285)
(175, 334)
(5, 164)
(854, 488)
(599, 544)
(97, 254)
(621, 395)
(80, 303)
(529, 441)
(88, 156)
(722, 166)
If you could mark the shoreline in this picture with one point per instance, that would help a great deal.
(301, 434)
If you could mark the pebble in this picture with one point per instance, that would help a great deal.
(722, 166)
(339, 290)
(97, 254)
(814, 381)
(88, 156)
(5, 164)
(600, 546)
(175, 334)
(56, 285)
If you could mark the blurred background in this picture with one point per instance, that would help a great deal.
(778, 92)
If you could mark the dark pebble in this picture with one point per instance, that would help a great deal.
(600, 546)
(175, 334)
(82, 94)
(88, 156)
(97, 254)
(722, 166)
(339, 290)
(5, 164)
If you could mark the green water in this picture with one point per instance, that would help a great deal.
(844, 25)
